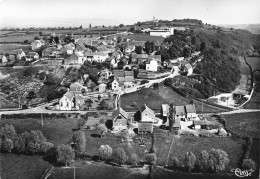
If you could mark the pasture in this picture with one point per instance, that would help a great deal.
(183, 144)
(57, 130)
(21, 166)
(244, 124)
(140, 37)
(5, 48)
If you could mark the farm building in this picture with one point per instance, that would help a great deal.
(147, 115)
(120, 119)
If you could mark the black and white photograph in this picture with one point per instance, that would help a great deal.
(129, 89)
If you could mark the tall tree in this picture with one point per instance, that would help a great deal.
(105, 152)
(189, 160)
(203, 160)
(65, 154)
(102, 129)
(218, 160)
(119, 156)
(79, 140)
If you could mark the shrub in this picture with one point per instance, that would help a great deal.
(8, 145)
(101, 128)
(248, 164)
(151, 158)
(105, 152)
(202, 161)
(80, 141)
(45, 147)
(21, 142)
(175, 162)
(218, 160)
(1, 143)
(65, 154)
(189, 160)
(35, 139)
(119, 156)
(134, 159)
(8, 132)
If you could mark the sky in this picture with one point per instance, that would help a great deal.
(54, 13)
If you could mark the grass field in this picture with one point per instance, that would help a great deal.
(254, 62)
(5, 48)
(94, 143)
(244, 124)
(56, 130)
(14, 166)
(95, 171)
(19, 38)
(183, 144)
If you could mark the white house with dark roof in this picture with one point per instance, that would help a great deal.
(190, 112)
(78, 57)
(147, 114)
(152, 65)
(66, 102)
(120, 119)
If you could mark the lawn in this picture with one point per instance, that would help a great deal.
(19, 38)
(244, 124)
(183, 144)
(95, 171)
(94, 142)
(14, 166)
(56, 130)
(5, 48)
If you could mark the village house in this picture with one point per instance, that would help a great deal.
(18, 53)
(189, 69)
(102, 88)
(36, 44)
(147, 114)
(139, 58)
(115, 85)
(152, 65)
(190, 112)
(77, 88)
(120, 119)
(78, 57)
(80, 47)
(67, 49)
(96, 56)
(67, 102)
(32, 56)
(50, 52)
(3, 58)
(122, 78)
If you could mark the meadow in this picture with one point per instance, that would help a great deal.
(5, 48)
(14, 166)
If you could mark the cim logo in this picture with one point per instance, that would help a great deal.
(242, 173)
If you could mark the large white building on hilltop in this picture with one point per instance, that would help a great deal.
(163, 32)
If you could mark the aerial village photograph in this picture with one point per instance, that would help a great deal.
(139, 89)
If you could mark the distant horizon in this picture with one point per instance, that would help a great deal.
(66, 13)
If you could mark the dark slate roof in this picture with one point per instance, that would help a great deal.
(144, 107)
(119, 111)
(180, 110)
(119, 73)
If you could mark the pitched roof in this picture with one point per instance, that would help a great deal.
(119, 111)
(145, 127)
(69, 95)
(119, 73)
(129, 73)
(144, 107)
(134, 55)
(190, 108)
(68, 47)
(180, 110)
(79, 54)
(188, 66)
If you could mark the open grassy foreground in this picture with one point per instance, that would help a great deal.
(57, 130)
(244, 124)
(183, 144)
(14, 166)
(95, 171)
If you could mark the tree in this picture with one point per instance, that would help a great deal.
(36, 38)
(90, 26)
(21, 143)
(134, 159)
(46, 146)
(132, 29)
(35, 140)
(248, 164)
(139, 49)
(139, 24)
(189, 160)
(203, 160)
(218, 160)
(65, 154)
(203, 46)
(101, 128)
(105, 152)
(7, 145)
(119, 156)
(119, 39)
(171, 114)
(121, 25)
(151, 158)
(8, 132)
(175, 162)
(79, 140)
(193, 40)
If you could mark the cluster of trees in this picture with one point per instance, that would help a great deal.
(27, 143)
(216, 160)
